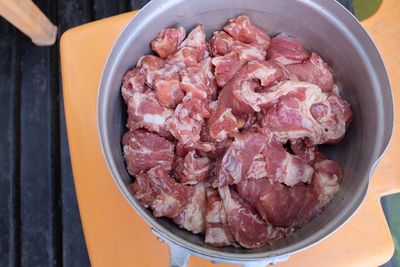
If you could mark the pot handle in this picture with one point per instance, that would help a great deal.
(178, 256)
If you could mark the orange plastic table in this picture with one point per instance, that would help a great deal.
(116, 236)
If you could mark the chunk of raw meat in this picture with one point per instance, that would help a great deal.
(238, 158)
(193, 216)
(219, 147)
(191, 51)
(196, 40)
(216, 234)
(258, 168)
(247, 52)
(204, 148)
(301, 110)
(240, 93)
(282, 166)
(241, 29)
(250, 119)
(193, 81)
(326, 182)
(245, 225)
(159, 191)
(150, 65)
(144, 150)
(144, 111)
(220, 43)
(226, 67)
(207, 69)
(340, 116)
(133, 82)
(223, 124)
(251, 44)
(168, 41)
(314, 70)
(278, 204)
(184, 57)
(168, 91)
(262, 39)
(300, 149)
(286, 50)
(185, 125)
(191, 169)
(224, 142)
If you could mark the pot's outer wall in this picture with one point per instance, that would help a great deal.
(322, 26)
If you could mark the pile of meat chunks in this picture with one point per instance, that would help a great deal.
(223, 133)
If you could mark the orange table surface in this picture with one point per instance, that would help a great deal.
(116, 236)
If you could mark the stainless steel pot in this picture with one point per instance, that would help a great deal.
(323, 26)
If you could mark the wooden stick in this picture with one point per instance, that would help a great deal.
(28, 18)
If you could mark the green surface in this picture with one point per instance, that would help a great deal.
(365, 8)
(393, 216)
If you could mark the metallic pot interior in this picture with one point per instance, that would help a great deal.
(322, 26)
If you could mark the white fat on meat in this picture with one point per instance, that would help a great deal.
(146, 112)
(192, 217)
(217, 233)
(257, 168)
(294, 171)
(326, 180)
(303, 96)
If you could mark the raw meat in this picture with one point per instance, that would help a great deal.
(238, 158)
(196, 40)
(242, 30)
(168, 41)
(207, 69)
(133, 82)
(282, 166)
(217, 234)
(226, 67)
(192, 217)
(194, 81)
(186, 122)
(223, 124)
(223, 134)
(245, 225)
(184, 57)
(168, 91)
(144, 111)
(247, 52)
(278, 204)
(301, 110)
(144, 150)
(151, 66)
(218, 147)
(156, 189)
(300, 149)
(240, 93)
(220, 44)
(314, 70)
(248, 43)
(286, 50)
(326, 182)
(191, 169)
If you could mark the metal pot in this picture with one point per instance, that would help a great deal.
(323, 26)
